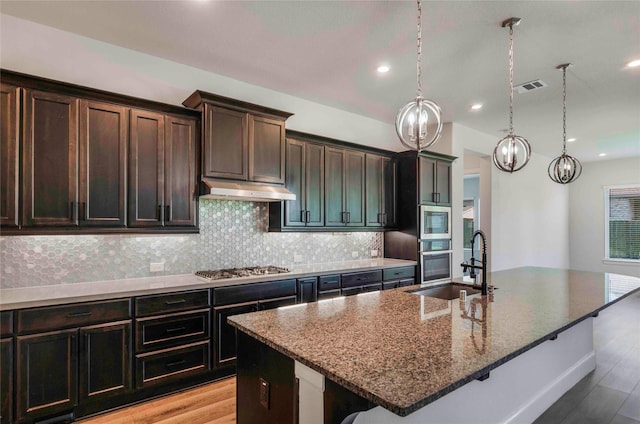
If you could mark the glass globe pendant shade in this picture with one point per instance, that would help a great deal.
(511, 153)
(564, 169)
(414, 122)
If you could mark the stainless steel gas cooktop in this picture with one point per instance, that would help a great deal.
(240, 272)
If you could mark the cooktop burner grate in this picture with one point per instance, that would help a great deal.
(240, 272)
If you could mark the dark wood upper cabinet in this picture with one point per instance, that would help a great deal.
(335, 206)
(225, 143)
(380, 190)
(49, 163)
(305, 178)
(266, 150)
(355, 188)
(240, 140)
(103, 159)
(181, 136)
(435, 180)
(9, 155)
(146, 169)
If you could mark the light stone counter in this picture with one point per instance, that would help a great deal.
(30, 297)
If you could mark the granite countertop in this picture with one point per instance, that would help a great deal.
(403, 351)
(31, 297)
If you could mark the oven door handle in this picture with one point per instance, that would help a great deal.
(435, 252)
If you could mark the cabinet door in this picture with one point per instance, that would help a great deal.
(335, 208)
(105, 361)
(266, 150)
(388, 192)
(103, 155)
(180, 171)
(427, 170)
(224, 335)
(354, 188)
(295, 210)
(49, 163)
(9, 154)
(46, 374)
(374, 191)
(6, 381)
(443, 182)
(226, 143)
(307, 289)
(314, 184)
(146, 169)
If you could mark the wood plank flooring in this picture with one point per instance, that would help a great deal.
(210, 404)
(608, 395)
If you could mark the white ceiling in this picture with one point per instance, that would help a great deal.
(328, 51)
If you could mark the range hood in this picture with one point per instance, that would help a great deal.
(235, 190)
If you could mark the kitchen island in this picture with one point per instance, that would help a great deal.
(410, 358)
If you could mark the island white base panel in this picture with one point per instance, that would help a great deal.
(516, 392)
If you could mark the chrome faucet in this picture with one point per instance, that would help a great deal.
(472, 267)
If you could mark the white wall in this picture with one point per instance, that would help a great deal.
(524, 215)
(44, 51)
(586, 205)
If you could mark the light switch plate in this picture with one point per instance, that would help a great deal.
(374, 253)
(354, 254)
(156, 266)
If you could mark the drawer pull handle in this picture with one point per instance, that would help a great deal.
(175, 302)
(173, 330)
(173, 364)
(78, 314)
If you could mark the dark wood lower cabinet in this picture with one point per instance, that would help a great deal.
(46, 374)
(259, 365)
(105, 362)
(6, 381)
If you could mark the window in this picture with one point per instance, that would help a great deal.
(622, 222)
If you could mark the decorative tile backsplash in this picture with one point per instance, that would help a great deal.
(232, 234)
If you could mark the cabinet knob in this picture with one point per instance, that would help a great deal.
(307, 216)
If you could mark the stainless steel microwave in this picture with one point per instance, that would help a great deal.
(435, 222)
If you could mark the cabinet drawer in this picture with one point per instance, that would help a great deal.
(398, 273)
(172, 330)
(172, 364)
(165, 303)
(361, 278)
(361, 289)
(76, 315)
(328, 294)
(328, 282)
(252, 292)
(407, 282)
(6, 323)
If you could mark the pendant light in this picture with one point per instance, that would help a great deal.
(414, 119)
(564, 169)
(513, 151)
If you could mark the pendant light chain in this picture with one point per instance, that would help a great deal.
(511, 79)
(564, 110)
(419, 64)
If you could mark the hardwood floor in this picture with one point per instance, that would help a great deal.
(210, 404)
(608, 395)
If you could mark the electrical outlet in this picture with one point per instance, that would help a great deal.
(374, 253)
(264, 393)
(297, 259)
(156, 266)
(354, 254)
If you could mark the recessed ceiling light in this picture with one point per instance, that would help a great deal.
(476, 106)
(633, 63)
(602, 154)
(571, 140)
(383, 69)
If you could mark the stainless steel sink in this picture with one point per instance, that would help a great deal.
(446, 291)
